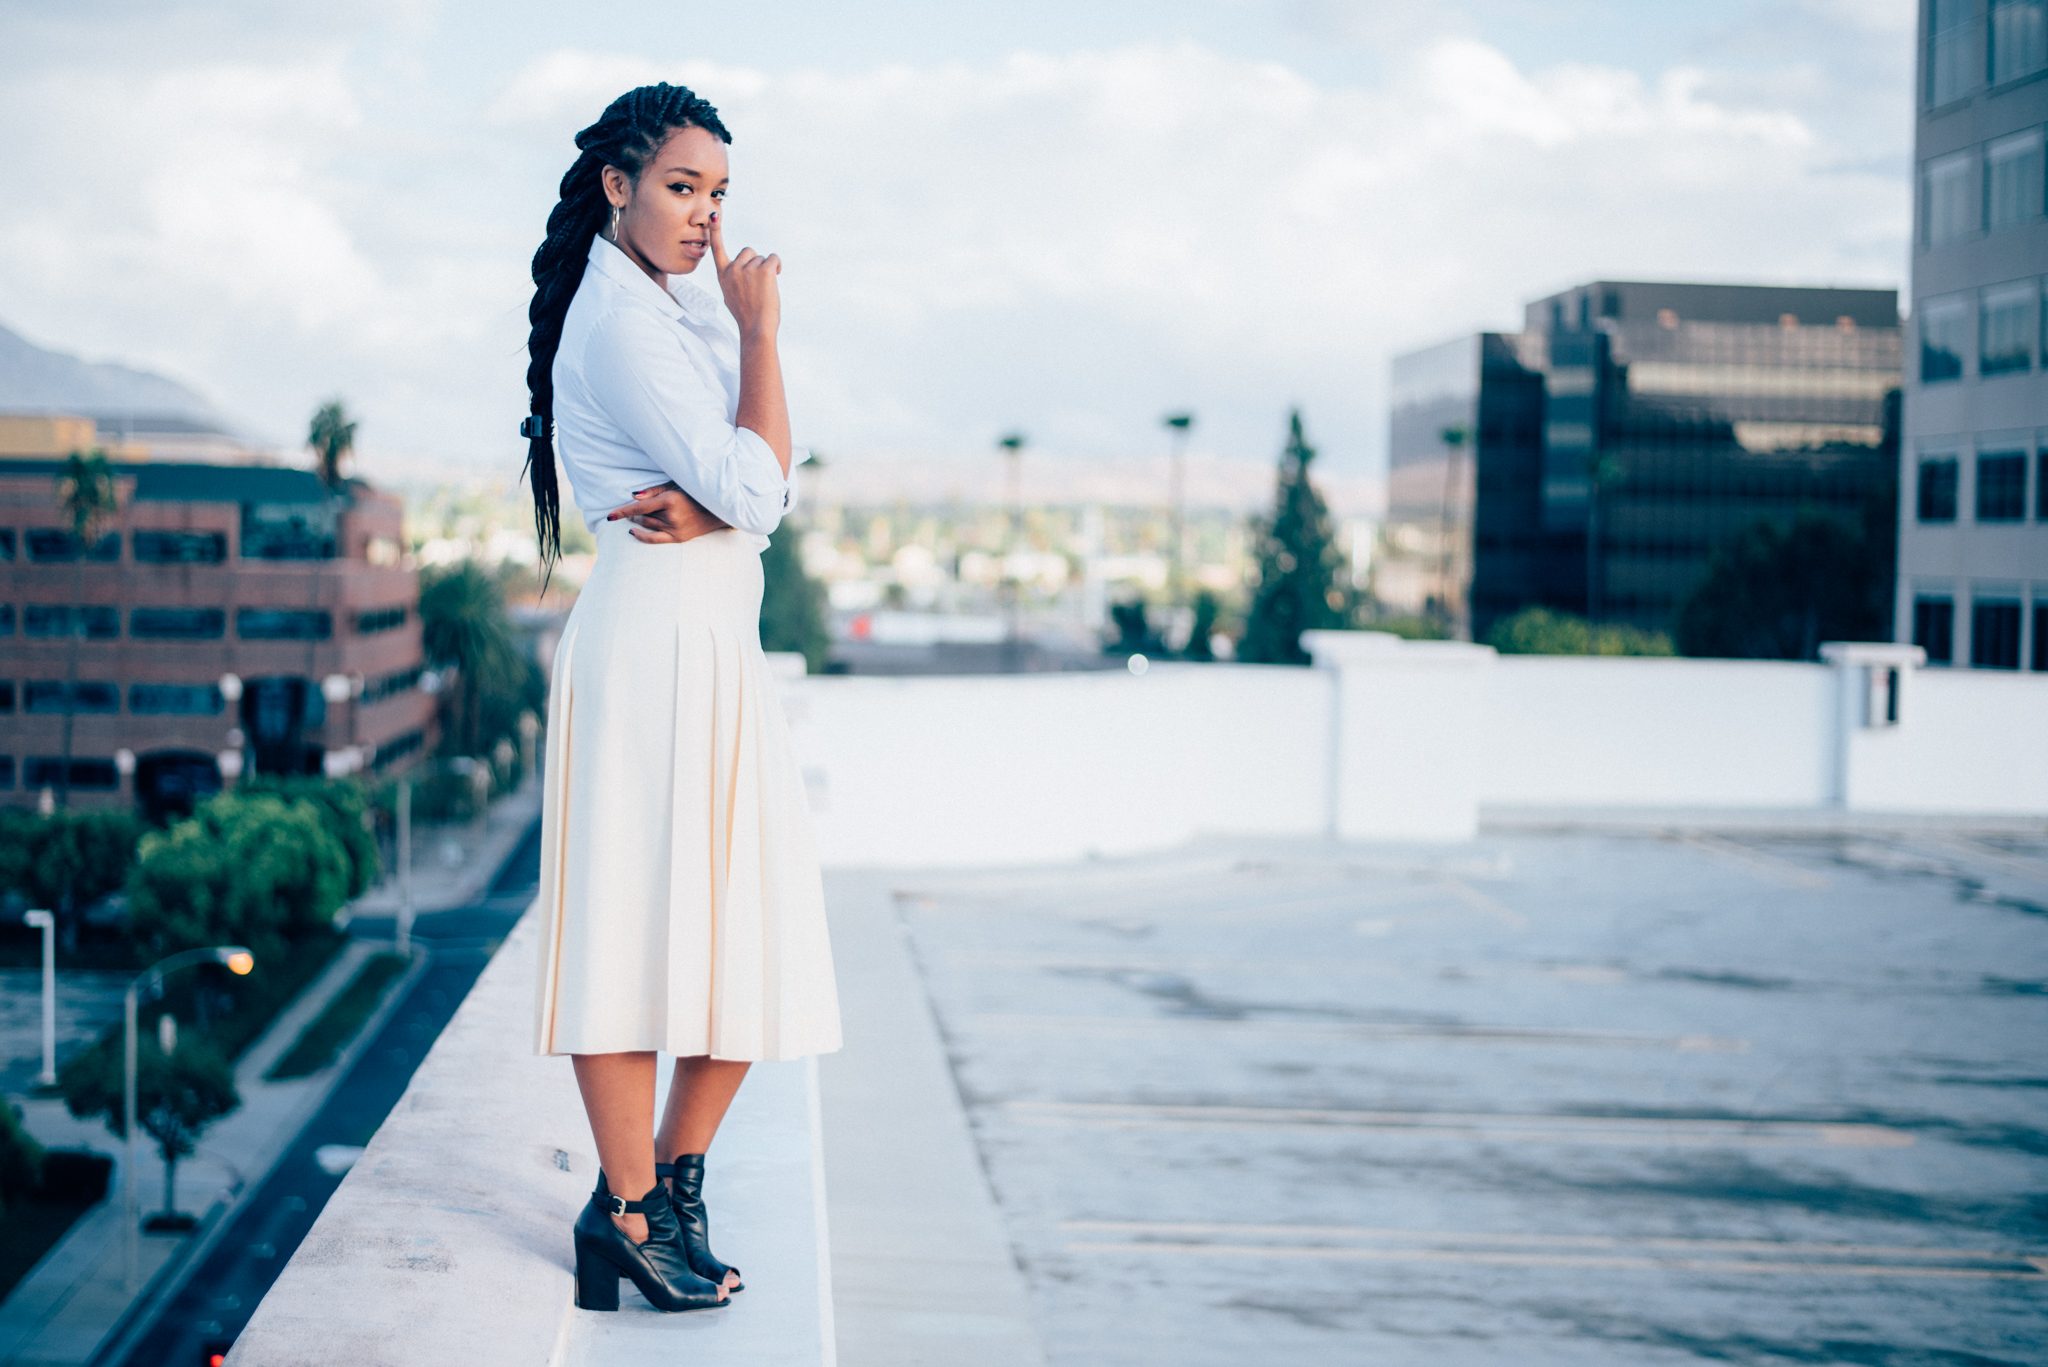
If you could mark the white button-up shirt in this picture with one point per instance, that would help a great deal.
(647, 388)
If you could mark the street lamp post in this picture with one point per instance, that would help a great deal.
(1179, 424)
(238, 961)
(1012, 447)
(47, 923)
(405, 863)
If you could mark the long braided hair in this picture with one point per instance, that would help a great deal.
(632, 129)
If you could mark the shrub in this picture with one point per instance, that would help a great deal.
(344, 811)
(21, 1158)
(83, 854)
(1539, 631)
(246, 870)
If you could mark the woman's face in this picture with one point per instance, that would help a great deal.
(665, 216)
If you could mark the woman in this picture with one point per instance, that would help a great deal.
(681, 905)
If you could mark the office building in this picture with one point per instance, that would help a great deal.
(1973, 537)
(1592, 462)
(226, 611)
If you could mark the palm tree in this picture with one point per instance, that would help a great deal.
(463, 623)
(332, 436)
(85, 495)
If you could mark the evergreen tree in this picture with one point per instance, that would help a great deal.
(1298, 565)
(792, 603)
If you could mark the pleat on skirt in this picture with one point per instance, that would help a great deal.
(681, 907)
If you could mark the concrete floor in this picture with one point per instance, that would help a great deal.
(1585, 1099)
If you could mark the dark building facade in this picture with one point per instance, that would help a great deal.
(1973, 543)
(1592, 462)
(226, 610)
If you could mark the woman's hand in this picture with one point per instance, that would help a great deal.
(748, 283)
(665, 515)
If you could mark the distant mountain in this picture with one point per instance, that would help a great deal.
(35, 380)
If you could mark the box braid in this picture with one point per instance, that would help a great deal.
(633, 128)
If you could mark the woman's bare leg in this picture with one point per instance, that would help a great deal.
(698, 1096)
(618, 1094)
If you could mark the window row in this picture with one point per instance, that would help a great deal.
(1983, 189)
(1996, 623)
(45, 697)
(46, 771)
(54, 545)
(2001, 487)
(97, 622)
(2004, 41)
(2005, 323)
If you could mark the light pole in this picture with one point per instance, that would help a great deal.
(1012, 447)
(47, 923)
(1179, 424)
(238, 961)
(405, 863)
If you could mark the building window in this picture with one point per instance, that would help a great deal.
(56, 619)
(1934, 627)
(1948, 208)
(2019, 39)
(175, 700)
(398, 748)
(6, 771)
(391, 685)
(1995, 634)
(47, 771)
(178, 624)
(2041, 486)
(7, 695)
(6, 543)
(181, 548)
(383, 619)
(2012, 180)
(1952, 69)
(1938, 477)
(2006, 340)
(46, 697)
(288, 531)
(283, 624)
(1944, 336)
(2040, 661)
(2002, 486)
(54, 545)
(6, 619)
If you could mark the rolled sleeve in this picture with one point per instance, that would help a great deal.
(644, 383)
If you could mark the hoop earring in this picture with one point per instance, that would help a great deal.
(614, 233)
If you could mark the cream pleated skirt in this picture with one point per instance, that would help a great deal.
(679, 893)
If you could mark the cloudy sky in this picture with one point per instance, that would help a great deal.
(1064, 217)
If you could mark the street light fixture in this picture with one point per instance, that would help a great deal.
(1011, 444)
(47, 923)
(239, 961)
(1180, 425)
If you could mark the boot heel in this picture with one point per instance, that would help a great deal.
(597, 1283)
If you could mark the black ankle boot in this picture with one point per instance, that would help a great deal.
(660, 1267)
(686, 1194)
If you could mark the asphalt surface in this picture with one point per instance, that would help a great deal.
(1546, 1099)
(217, 1301)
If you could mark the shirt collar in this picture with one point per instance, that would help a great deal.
(679, 300)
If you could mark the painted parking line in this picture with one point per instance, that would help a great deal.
(1742, 1256)
(1513, 1129)
(1009, 1023)
(1770, 868)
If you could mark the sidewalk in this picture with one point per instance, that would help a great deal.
(74, 1299)
(454, 865)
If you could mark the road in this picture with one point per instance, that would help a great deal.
(214, 1305)
(1573, 1099)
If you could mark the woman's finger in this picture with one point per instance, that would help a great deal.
(718, 256)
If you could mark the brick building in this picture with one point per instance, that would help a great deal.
(233, 610)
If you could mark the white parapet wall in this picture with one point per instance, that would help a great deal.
(1393, 740)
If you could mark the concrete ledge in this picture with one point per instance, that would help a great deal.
(449, 1240)
(1502, 820)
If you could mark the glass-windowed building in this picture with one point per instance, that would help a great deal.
(1973, 540)
(225, 608)
(1592, 462)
